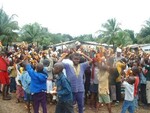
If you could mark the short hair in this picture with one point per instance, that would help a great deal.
(59, 65)
(75, 54)
(46, 62)
(124, 60)
(132, 79)
(39, 67)
(135, 69)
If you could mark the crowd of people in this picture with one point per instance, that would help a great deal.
(76, 76)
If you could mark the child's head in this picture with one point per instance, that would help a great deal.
(46, 62)
(39, 67)
(131, 80)
(135, 70)
(58, 68)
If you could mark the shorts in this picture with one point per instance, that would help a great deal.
(4, 78)
(104, 98)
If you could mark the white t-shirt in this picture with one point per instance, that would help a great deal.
(129, 91)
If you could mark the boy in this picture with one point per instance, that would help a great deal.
(135, 71)
(38, 86)
(75, 75)
(65, 99)
(103, 87)
(25, 80)
(129, 95)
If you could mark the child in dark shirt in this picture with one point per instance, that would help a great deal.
(64, 93)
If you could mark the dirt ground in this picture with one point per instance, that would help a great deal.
(12, 107)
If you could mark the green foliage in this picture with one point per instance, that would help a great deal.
(84, 38)
(7, 28)
(145, 31)
(132, 35)
(144, 35)
(141, 40)
(36, 33)
(33, 32)
(111, 27)
(122, 39)
(110, 34)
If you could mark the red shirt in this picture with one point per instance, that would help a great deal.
(3, 64)
(136, 84)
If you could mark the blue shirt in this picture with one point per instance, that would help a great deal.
(25, 81)
(38, 80)
(63, 88)
(77, 83)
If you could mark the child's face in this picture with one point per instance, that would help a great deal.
(76, 60)
(55, 70)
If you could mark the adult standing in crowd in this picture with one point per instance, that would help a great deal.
(4, 78)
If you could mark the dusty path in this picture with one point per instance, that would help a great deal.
(12, 107)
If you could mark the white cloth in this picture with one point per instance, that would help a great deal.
(67, 61)
(129, 91)
(18, 75)
(49, 86)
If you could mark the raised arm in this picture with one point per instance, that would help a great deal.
(87, 57)
(64, 56)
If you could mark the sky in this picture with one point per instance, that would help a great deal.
(78, 17)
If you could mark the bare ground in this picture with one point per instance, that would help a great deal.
(11, 106)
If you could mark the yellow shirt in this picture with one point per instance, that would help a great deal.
(13, 72)
(103, 87)
(119, 66)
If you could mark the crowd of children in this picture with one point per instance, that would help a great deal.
(76, 76)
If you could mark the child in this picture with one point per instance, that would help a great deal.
(94, 83)
(65, 98)
(38, 86)
(48, 66)
(25, 80)
(135, 71)
(19, 90)
(103, 87)
(129, 95)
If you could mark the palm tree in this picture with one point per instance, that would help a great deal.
(123, 39)
(7, 27)
(34, 33)
(144, 35)
(111, 27)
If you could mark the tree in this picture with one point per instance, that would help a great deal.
(123, 39)
(87, 37)
(7, 28)
(132, 35)
(144, 35)
(34, 33)
(111, 27)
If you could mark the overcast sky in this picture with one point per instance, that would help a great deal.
(78, 17)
